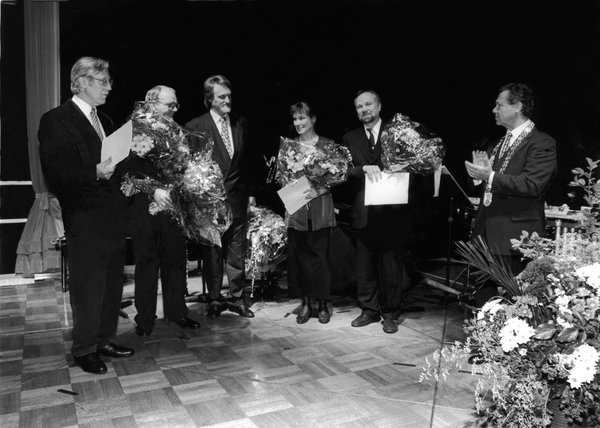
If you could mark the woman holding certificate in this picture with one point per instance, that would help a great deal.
(310, 164)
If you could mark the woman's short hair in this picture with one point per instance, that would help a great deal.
(209, 87)
(301, 107)
(86, 66)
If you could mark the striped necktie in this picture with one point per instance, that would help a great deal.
(225, 135)
(96, 123)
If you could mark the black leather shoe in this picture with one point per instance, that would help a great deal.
(304, 314)
(91, 363)
(390, 326)
(114, 351)
(363, 320)
(242, 310)
(142, 332)
(324, 316)
(187, 322)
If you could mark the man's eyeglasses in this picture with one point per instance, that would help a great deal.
(104, 82)
(171, 106)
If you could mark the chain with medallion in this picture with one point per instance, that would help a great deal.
(487, 195)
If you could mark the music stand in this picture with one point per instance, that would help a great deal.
(447, 286)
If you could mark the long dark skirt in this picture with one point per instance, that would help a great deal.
(309, 274)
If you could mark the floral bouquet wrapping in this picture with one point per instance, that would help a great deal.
(324, 165)
(540, 342)
(184, 166)
(267, 238)
(406, 142)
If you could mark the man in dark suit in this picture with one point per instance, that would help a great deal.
(92, 208)
(229, 132)
(158, 242)
(514, 175)
(383, 232)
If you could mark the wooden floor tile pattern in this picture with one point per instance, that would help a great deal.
(233, 372)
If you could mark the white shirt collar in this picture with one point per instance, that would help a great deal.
(518, 130)
(374, 129)
(216, 117)
(83, 106)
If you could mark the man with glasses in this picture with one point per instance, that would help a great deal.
(158, 242)
(92, 209)
(229, 133)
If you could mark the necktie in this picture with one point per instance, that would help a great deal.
(96, 123)
(505, 144)
(225, 135)
(371, 139)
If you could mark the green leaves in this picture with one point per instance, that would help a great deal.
(544, 331)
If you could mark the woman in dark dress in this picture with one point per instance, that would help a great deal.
(309, 228)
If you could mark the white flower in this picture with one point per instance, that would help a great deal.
(515, 332)
(591, 274)
(581, 364)
(490, 307)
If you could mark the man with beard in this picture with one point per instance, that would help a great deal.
(514, 174)
(158, 242)
(92, 210)
(229, 132)
(383, 232)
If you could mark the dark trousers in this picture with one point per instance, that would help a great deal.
(159, 246)
(96, 258)
(381, 274)
(309, 273)
(233, 251)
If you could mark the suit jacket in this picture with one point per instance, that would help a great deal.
(69, 151)
(395, 220)
(233, 169)
(518, 193)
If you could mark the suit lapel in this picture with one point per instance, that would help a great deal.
(89, 145)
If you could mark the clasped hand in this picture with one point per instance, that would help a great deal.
(481, 167)
(312, 193)
(104, 170)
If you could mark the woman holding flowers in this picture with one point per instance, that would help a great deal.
(309, 228)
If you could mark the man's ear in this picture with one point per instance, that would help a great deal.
(519, 106)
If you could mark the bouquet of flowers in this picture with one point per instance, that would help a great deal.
(406, 142)
(326, 164)
(184, 166)
(267, 238)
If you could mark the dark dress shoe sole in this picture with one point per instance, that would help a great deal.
(363, 322)
(91, 364)
(115, 352)
(189, 323)
(390, 328)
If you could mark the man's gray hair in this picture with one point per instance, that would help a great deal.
(86, 66)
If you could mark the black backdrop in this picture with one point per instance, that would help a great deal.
(440, 62)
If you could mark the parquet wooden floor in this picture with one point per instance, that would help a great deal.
(233, 372)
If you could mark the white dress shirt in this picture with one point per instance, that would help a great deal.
(374, 130)
(86, 110)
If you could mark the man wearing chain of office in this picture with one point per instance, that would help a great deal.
(514, 175)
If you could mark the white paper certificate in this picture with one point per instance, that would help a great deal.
(117, 144)
(392, 189)
(293, 196)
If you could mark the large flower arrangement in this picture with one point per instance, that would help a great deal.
(407, 142)
(325, 164)
(267, 238)
(184, 166)
(540, 341)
